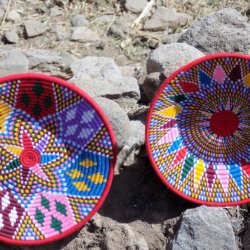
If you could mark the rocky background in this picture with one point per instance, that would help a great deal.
(120, 57)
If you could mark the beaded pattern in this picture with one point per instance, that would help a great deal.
(55, 153)
(199, 131)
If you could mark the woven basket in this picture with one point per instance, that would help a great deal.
(57, 154)
(198, 130)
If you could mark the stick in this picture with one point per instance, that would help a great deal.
(144, 13)
(5, 15)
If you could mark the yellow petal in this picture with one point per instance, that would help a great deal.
(74, 173)
(172, 111)
(15, 150)
(97, 178)
(87, 163)
(81, 186)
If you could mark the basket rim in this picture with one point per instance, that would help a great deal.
(151, 108)
(85, 96)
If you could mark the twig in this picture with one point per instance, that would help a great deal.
(5, 15)
(144, 13)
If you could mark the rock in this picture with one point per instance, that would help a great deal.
(223, 31)
(135, 6)
(122, 25)
(55, 11)
(34, 28)
(118, 119)
(164, 18)
(49, 62)
(137, 138)
(100, 76)
(103, 20)
(11, 36)
(170, 57)
(127, 156)
(62, 32)
(78, 21)
(84, 35)
(14, 62)
(151, 83)
(205, 228)
(71, 60)
(13, 16)
(246, 236)
(127, 238)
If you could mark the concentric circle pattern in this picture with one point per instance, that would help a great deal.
(198, 130)
(57, 155)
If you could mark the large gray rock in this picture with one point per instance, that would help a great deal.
(49, 62)
(204, 228)
(225, 30)
(135, 6)
(118, 119)
(164, 18)
(246, 236)
(13, 62)
(100, 76)
(170, 57)
(84, 35)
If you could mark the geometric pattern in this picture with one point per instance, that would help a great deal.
(198, 131)
(57, 157)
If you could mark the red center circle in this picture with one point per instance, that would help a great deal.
(29, 158)
(224, 123)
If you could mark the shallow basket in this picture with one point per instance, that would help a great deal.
(198, 130)
(57, 154)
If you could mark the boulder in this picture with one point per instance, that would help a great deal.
(223, 31)
(14, 62)
(100, 76)
(118, 119)
(204, 228)
(170, 57)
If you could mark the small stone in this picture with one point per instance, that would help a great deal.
(164, 18)
(84, 35)
(137, 138)
(11, 36)
(78, 21)
(13, 16)
(204, 228)
(34, 28)
(122, 25)
(135, 6)
(151, 83)
(118, 119)
(15, 62)
(62, 32)
(55, 11)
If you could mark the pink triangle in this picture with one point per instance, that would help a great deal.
(219, 74)
(39, 172)
(169, 137)
(223, 176)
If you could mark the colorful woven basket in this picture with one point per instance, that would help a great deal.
(198, 130)
(57, 154)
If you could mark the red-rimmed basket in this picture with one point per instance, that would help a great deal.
(198, 128)
(57, 154)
